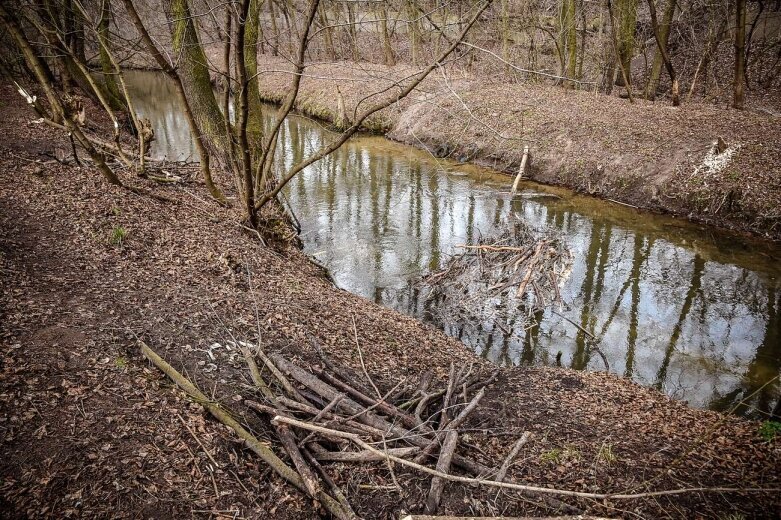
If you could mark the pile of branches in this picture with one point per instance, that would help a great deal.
(503, 280)
(325, 415)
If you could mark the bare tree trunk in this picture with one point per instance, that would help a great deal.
(352, 32)
(413, 33)
(200, 140)
(329, 33)
(242, 116)
(572, 41)
(252, 33)
(663, 38)
(739, 96)
(625, 36)
(505, 34)
(662, 48)
(274, 27)
(60, 111)
(194, 72)
(390, 58)
(109, 79)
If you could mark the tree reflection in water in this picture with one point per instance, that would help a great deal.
(693, 312)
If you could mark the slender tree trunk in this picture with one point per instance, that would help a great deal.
(60, 111)
(200, 140)
(251, 34)
(390, 58)
(572, 41)
(626, 13)
(329, 32)
(664, 36)
(739, 96)
(662, 48)
(274, 27)
(352, 32)
(243, 114)
(505, 34)
(412, 32)
(109, 79)
(584, 32)
(194, 73)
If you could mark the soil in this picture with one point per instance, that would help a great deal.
(90, 429)
(646, 154)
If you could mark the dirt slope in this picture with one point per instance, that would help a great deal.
(89, 429)
(650, 155)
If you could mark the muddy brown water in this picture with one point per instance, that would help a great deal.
(692, 311)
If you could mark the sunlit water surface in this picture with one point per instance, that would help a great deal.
(691, 311)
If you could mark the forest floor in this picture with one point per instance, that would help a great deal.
(88, 428)
(646, 154)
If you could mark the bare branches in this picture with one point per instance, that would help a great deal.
(502, 280)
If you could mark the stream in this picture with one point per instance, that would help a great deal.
(692, 311)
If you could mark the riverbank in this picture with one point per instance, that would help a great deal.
(652, 156)
(90, 429)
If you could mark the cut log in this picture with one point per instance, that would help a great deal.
(443, 466)
(521, 170)
(513, 453)
(363, 456)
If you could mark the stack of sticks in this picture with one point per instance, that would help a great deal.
(326, 415)
(503, 280)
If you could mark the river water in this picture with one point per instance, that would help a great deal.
(689, 310)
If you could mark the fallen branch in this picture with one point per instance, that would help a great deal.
(513, 453)
(511, 485)
(260, 449)
(363, 456)
(443, 466)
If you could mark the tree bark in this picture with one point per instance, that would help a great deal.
(194, 73)
(662, 48)
(739, 97)
(162, 62)
(625, 36)
(109, 79)
(662, 39)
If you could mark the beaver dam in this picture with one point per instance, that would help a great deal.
(691, 311)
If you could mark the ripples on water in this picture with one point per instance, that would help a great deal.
(691, 311)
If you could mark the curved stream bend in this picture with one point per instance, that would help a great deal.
(691, 311)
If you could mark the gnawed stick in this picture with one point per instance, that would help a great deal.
(452, 426)
(406, 419)
(451, 383)
(523, 488)
(319, 415)
(368, 418)
(363, 456)
(260, 383)
(260, 449)
(283, 381)
(513, 453)
(443, 466)
(334, 421)
(286, 437)
(335, 489)
(288, 440)
(521, 169)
